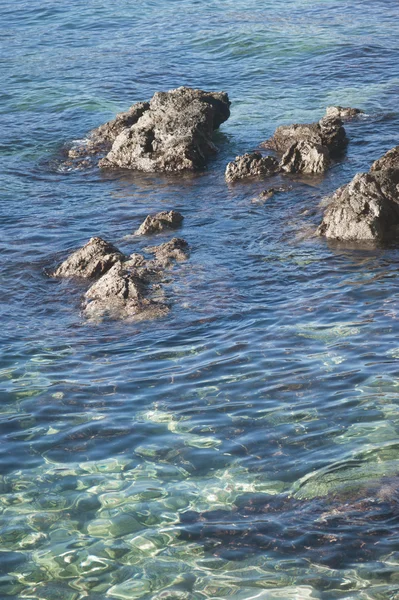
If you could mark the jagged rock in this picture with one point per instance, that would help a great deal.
(174, 133)
(176, 249)
(390, 161)
(92, 260)
(328, 132)
(366, 209)
(121, 293)
(159, 222)
(251, 165)
(305, 157)
(102, 138)
(343, 113)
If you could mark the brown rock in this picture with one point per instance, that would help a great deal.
(328, 132)
(173, 134)
(343, 113)
(251, 165)
(92, 260)
(390, 161)
(159, 222)
(305, 157)
(121, 294)
(176, 249)
(365, 209)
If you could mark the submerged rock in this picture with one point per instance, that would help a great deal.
(93, 260)
(176, 249)
(173, 132)
(251, 165)
(122, 293)
(159, 222)
(334, 530)
(305, 157)
(328, 132)
(343, 113)
(367, 208)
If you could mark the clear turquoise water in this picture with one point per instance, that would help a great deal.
(275, 377)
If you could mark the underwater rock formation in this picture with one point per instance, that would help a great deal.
(335, 530)
(160, 221)
(367, 208)
(251, 165)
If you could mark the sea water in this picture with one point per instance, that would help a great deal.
(147, 459)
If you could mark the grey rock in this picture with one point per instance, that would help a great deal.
(173, 134)
(365, 209)
(251, 165)
(159, 222)
(390, 161)
(176, 249)
(343, 113)
(92, 260)
(328, 132)
(102, 138)
(122, 294)
(305, 157)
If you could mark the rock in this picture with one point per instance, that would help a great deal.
(343, 113)
(93, 260)
(176, 249)
(173, 134)
(122, 294)
(328, 132)
(159, 222)
(269, 193)
(305, 157)
(110, 131)
(390, 161)
(101, 139)
(251, 165)
(366, 209)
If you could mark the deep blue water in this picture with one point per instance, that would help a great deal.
(273, 381)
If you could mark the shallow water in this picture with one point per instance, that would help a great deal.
(274, 379)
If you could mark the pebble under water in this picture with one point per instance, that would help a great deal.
(246, 445)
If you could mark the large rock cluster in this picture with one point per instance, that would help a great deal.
(127, 287)
(305, 148)
(172, 132)
(367, 208)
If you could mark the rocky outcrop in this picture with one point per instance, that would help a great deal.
(390, 161)
(251, 165)
(305, 157)
(328, 132)
(126, 287)
(343, 113)
(122, 294)
(102, 138)
(160, 222)
(366, 209)
(176, 249)
(93, 260)
(173, 133)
